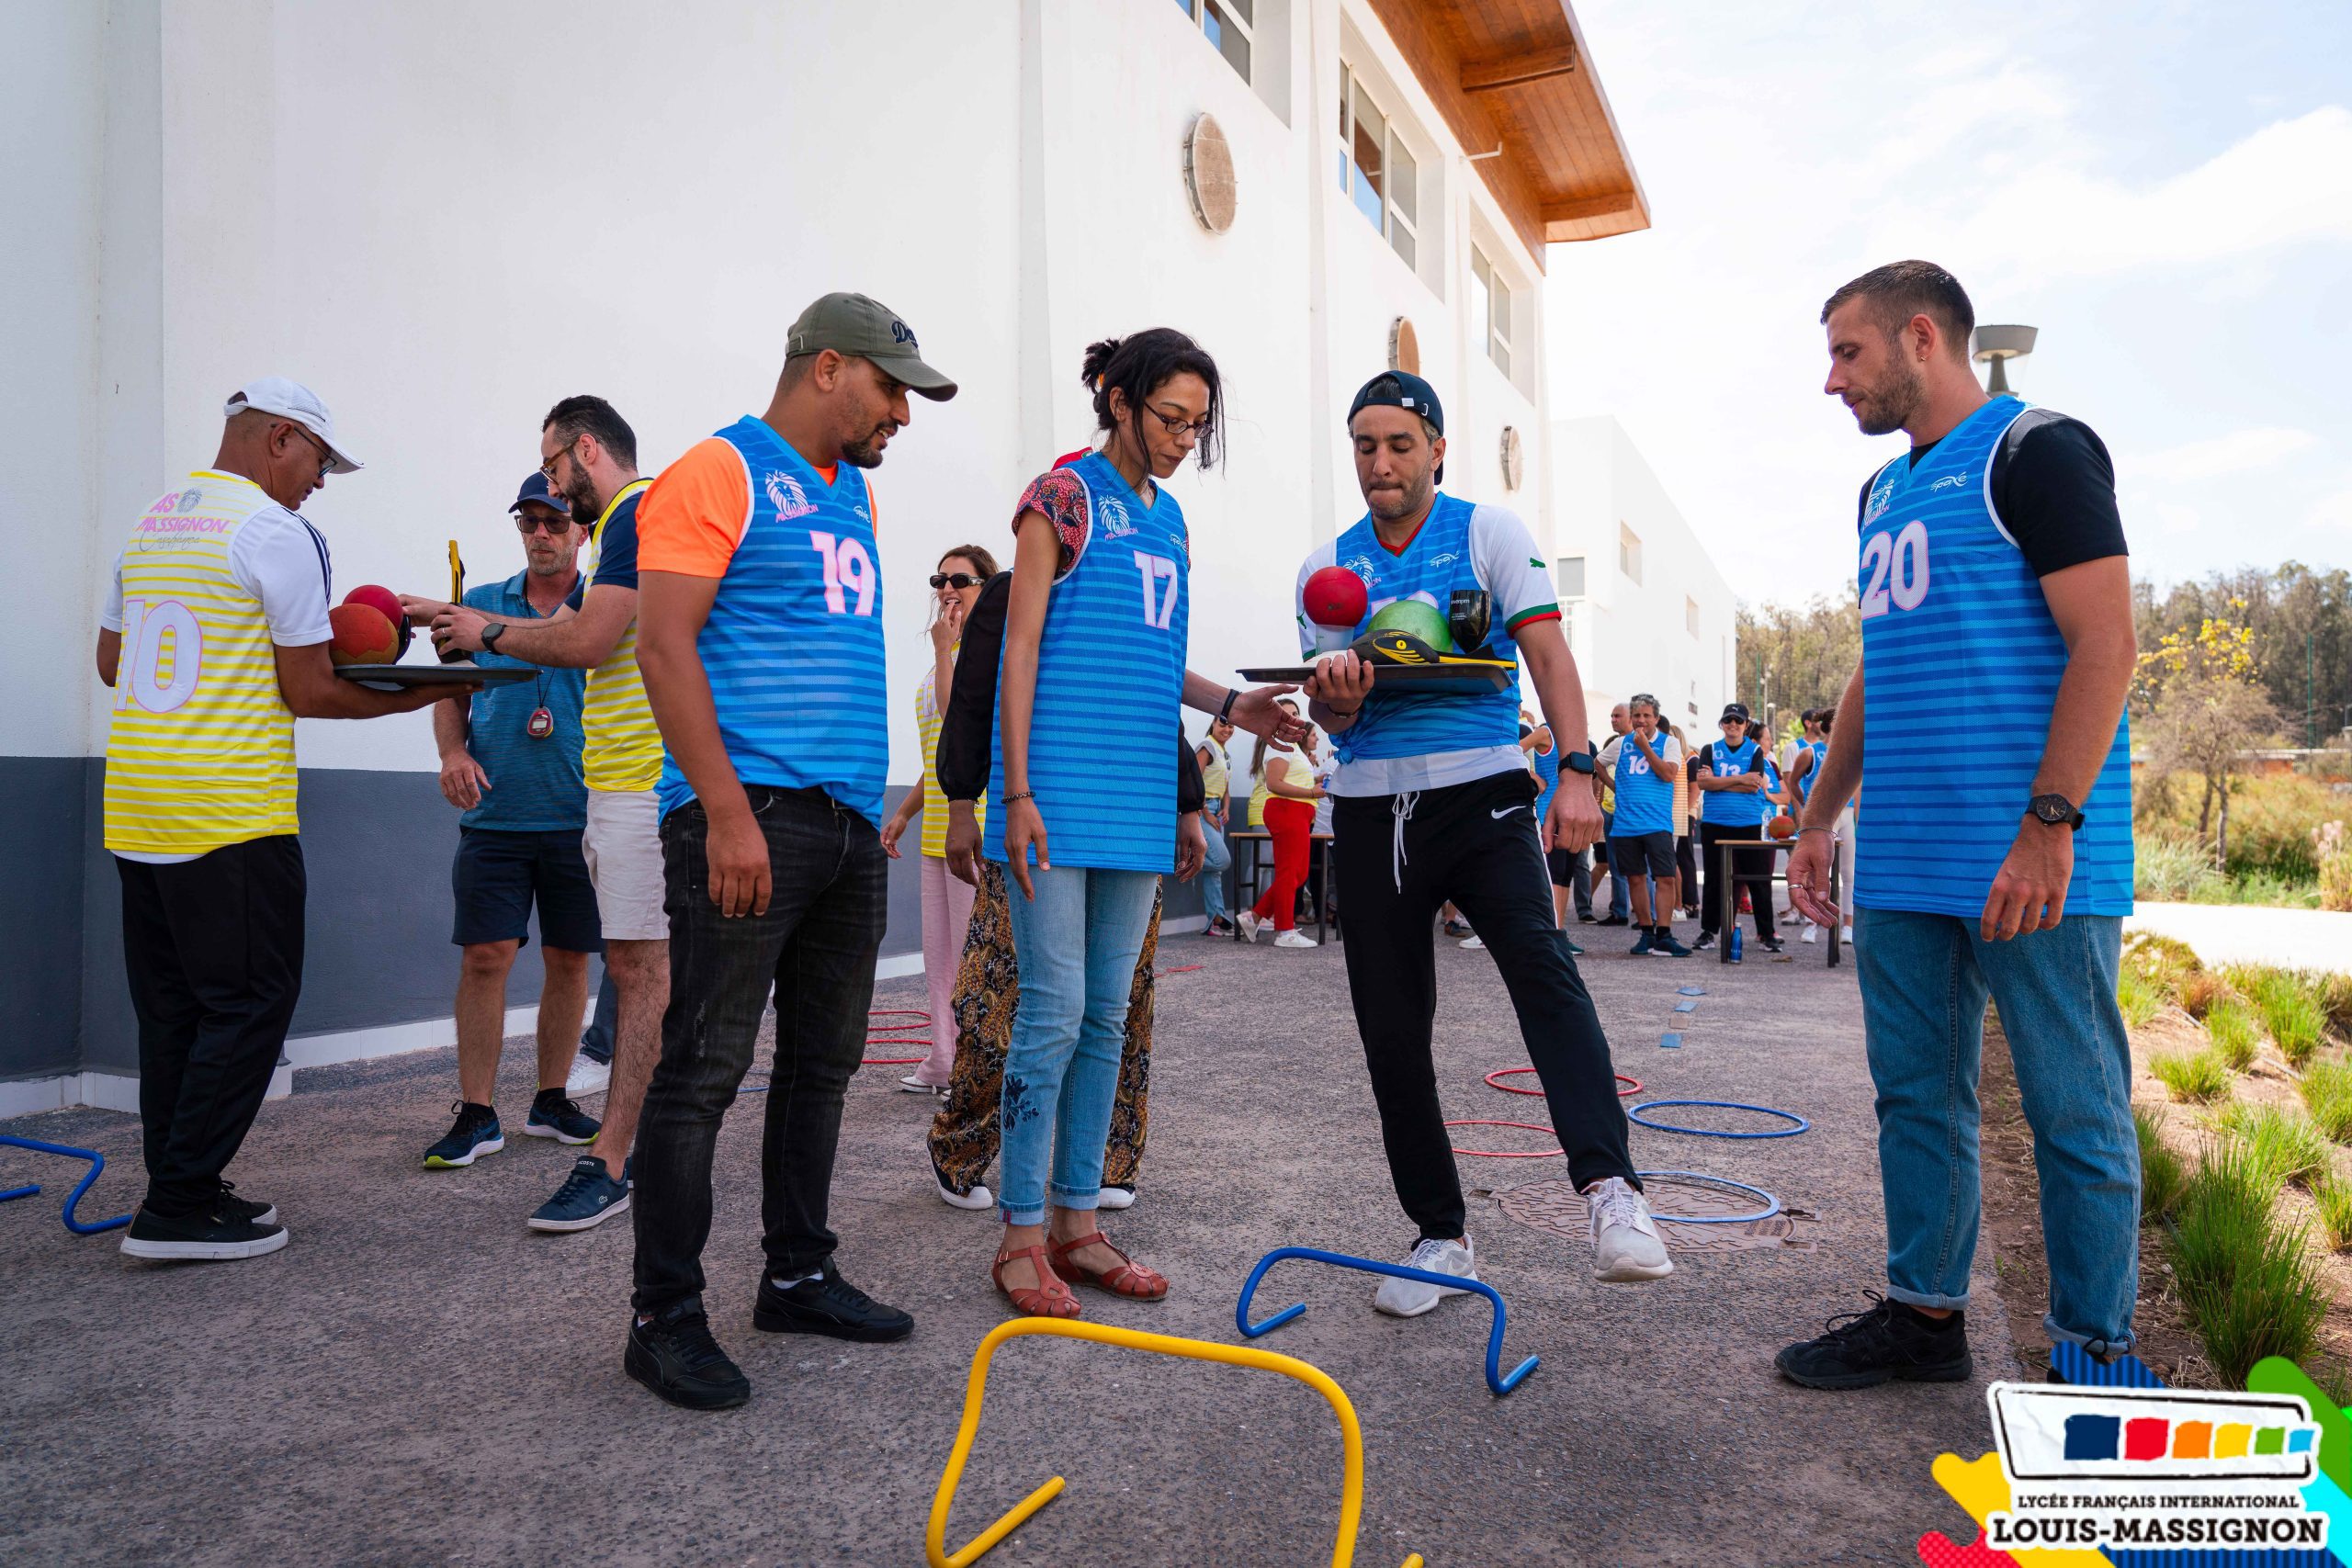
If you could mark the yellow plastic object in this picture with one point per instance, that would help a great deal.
(1343, 1549)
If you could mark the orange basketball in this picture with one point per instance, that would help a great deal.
(362, 636)
(1784, 826)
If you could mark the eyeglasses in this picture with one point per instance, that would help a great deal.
(956, 579)
(527, 525)
(326, 458)
(1177, 423)
(547, 469)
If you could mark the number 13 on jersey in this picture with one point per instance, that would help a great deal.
(1158, 608)
(1895, 569)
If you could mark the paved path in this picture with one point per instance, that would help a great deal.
(2248, 933)
(418, 1380)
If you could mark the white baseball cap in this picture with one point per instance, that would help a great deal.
(291, 399)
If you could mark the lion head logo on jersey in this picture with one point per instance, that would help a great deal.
(1111, 517)
(786, 496)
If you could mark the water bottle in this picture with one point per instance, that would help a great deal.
(1736, 957)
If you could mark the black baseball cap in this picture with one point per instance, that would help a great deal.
(1734, 710)
(1401, 390)
(866, 329)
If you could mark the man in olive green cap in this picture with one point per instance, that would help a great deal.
(760, 638)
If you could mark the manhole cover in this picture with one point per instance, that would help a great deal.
(1558, 1209)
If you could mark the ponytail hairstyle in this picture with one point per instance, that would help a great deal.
(1258, 758)
(1139, 365)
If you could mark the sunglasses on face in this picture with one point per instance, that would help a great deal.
(554, 526)
(956, 580)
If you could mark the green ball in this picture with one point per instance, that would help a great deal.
(1415, 618)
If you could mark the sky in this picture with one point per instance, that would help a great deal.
(2164, 189)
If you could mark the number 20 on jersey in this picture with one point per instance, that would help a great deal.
(1894, 569)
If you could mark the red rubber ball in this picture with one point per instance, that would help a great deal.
(1335, 597)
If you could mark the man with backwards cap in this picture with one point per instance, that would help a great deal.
(1435, 804)
(760, 638)
(214, 637)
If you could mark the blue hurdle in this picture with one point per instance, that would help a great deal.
(1497, 1380)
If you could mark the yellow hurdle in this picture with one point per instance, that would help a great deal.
(1343, 1549)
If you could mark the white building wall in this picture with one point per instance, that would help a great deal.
(1635, 637)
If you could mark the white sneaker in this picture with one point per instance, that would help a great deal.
(979, 1197)
(1845, 935)
(1625, 1243)
(1249, 924)
(914, 1085)
(1410, 1298)
(1294, 938)
(1812, 934)
(1116, 1198)
(1471, 943)
(588, 1077)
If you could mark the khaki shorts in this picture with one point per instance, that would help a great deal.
(622, 846)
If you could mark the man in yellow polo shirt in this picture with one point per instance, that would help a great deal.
(214, 637)
(589, 453)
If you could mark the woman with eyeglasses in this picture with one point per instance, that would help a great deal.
(946, 902)
(1086, 820)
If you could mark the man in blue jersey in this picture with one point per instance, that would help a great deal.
(1736, 780)
(1994, 583)
(1434, 803)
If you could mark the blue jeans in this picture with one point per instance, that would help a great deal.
(1621, 893)
(1925, 979)
(1218, 860)
(1076, 943)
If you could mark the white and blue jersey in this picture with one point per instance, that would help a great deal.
(1406, 740)
(1820, 750)
(1733, 808)
(1645, 796)
(1547, 772)
(1961, 666)
(1110, 677)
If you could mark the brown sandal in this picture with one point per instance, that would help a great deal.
(1049, 1298)
(1126, 1277)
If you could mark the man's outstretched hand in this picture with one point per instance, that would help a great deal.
(1256, 711)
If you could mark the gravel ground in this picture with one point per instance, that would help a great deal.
(416, 1379)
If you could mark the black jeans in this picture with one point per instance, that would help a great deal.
(817, 945)
(213, 951)
(1477, 844)
(1749, 863)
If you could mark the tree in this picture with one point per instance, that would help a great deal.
(1799, 655)
(2205, 709)
(2300, 621)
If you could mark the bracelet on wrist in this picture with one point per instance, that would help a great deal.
(1018, 794)
(1814, 827)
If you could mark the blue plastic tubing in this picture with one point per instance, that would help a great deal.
(1498, 1380)
(97, 1163)
(1634, 1115)
(1771, 1204)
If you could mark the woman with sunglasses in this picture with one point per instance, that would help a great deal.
(1086, 818)
(946, 902)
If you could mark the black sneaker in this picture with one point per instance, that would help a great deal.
(1663, 946)
(251, 1212)
(1771, 943)
(209, 1236)
(1641, 947)
(830, 1306)
(474, 1134)
(557, 1115)
(1456, 928)
(1706, 942)
(589, 1196)
(676, 1358)
(1588, 918)
(1883, 1341)
(1613, 920)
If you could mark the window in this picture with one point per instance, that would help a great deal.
(1691, 613)
(1228, 24)
(1490, 309)
(1628, 552)
(1376, 170)
(1571, 577)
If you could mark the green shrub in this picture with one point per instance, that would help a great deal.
(2292, 1005)
(2298, 1025)
(2333, 1196)
(2138, 997)
(2249, 1288)
(2163, 1173)
(2335, 1001)
(2171, 869)
(2283, 1144)
(2326, 1089)
(2229, 1026)
(2199, 1076)
(2162, 960)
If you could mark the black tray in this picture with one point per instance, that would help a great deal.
(401, 677)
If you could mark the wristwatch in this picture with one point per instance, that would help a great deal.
(2056, 810)
(496, 629)
(1577, 762)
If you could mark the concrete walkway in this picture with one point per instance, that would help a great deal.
(418, 1380)
(2248, 933)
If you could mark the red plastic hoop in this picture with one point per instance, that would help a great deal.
(1512, 1088)
(1508, 1154)
(898, 1035)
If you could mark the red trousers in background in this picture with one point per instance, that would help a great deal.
(1289, 823)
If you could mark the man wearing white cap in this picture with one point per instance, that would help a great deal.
(214, 637)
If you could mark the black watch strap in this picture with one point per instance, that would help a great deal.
(1232, 696)
(1577, 762)
(492, 633)
(2056, 810)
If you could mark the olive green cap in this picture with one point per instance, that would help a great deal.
(866, 329)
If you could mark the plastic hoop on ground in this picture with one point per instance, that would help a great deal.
(1508, 1153)
(1635, 1116)
(1497, 1381)
(1512, 1088)
(901, 1035)
(97, 1163)
(1771, 1204)
(934, 1542)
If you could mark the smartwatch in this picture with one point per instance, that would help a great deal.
(492, 633)
(2056, 810)
(1577, 762)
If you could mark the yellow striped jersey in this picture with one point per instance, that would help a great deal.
(201, 750)
(929, 716)
(621, 749)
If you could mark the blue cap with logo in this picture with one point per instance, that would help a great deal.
(536, 489)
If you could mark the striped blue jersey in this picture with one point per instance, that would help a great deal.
(1728, 807)
(1961, 666)
(1820, 750)
(1645, 796)
(793, 646)
(1110, 682)
(1547, 771)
